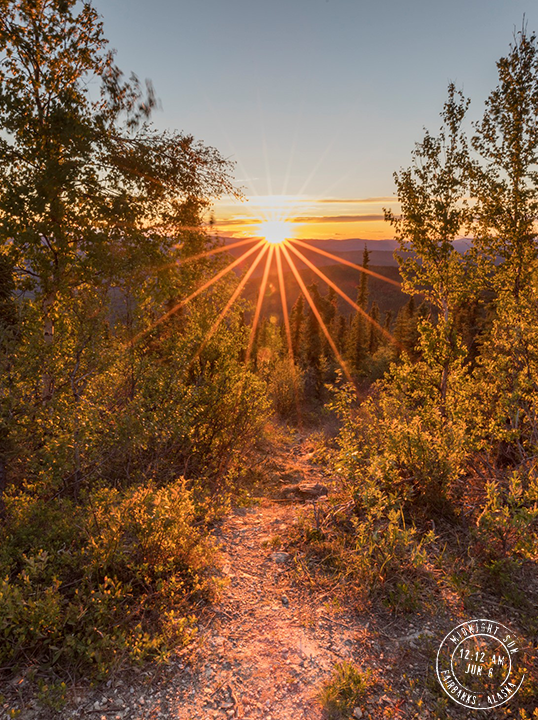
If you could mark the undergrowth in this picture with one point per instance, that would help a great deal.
(86, 585)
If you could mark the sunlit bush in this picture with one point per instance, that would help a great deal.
(400, 441)
(85, 585)
(286, 388)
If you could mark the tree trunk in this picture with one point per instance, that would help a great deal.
(47, 384)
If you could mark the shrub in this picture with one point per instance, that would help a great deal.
(286, 388)
(403, 444)
(85, 585)
(346, 689)
(509, 516)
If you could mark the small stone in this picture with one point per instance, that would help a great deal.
(97, 705)
(280, 557)
(357, 712)
(141, 701)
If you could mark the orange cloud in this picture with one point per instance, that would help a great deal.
(359, 201)
(337, 218)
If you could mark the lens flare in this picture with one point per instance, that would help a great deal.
(274, 237)
(275, 231)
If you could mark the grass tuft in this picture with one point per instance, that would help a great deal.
(346, 690)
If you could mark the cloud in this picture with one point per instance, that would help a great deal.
(337, 218)
(236, 221)
(359, 201)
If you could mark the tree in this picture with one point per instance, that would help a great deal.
(362, 294)
(358, 339)
(296, 325)
(373, 340)
(341, 332)
(434, 212)
(330, 310)
(96, 207)
(312, 344)
(387, 322)
(405, 327)
(504, 181)
(89, 191)
(505, 185)
(8, 337)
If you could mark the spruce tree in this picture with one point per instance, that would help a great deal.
(312, 342)
(297, 320)
(359, 334)
(341, 332)
(387, 322)
(373, 341)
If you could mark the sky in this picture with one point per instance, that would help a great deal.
(317, 102)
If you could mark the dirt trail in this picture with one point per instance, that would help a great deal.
(265, 647)
(270, 642)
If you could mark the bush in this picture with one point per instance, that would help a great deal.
(401, 443)
(346, 689)
(505, 526)
(286, 388)
(86, 585)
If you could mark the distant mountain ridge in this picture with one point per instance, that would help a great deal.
(358, 244)
(351, 249)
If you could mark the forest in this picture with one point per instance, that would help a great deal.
(129, 423)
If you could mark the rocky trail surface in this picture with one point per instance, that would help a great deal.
(270, 641)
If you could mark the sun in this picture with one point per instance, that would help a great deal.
(275, 231)
(272, 237)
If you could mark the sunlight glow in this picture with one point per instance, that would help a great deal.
(275, 231)
(261, 296)
(317, 315)
(342, 294)
(272, 228)
(237, 292)
(197, 292)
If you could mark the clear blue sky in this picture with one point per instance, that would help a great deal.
(331, 93)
